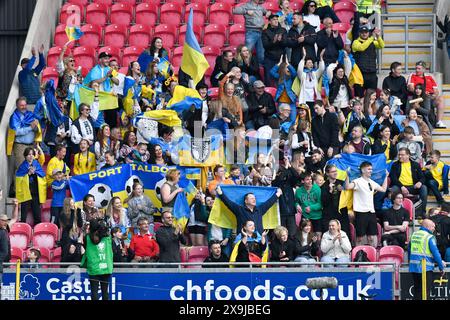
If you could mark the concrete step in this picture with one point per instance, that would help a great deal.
(401, 21)
(417, 54)
(403, 2)
(441, 143)
(441, 132)
(415, 33)
(411, 7)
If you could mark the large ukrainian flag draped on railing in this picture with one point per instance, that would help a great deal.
(23, 192)
(222, 216)
(200, 152)
(352, 162)
(193, 61)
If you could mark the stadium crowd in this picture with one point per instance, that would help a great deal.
(318, 90)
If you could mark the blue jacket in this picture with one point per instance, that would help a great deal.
(287, 83)
(417, 267)
(59, 193)
(445, 178)
(29, 80)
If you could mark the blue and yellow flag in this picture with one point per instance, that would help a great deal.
(23, 192)
(222, 216)
(183, 98)
(167, 117)
(50, 109)
(200, 152)
(237, 241)
(73, 33)
(20, 121)
(83, 94)
(181, 209)
(164, 66)
(193, 61)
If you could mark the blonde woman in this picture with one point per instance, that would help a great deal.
(116, 215)
(170, 189)
(335, 244)
(282, 247)
(247, 63)
(71, 223)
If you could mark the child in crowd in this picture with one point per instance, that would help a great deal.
(141, 154)
(235, 175)
(33, 256)
(407, 140)
(59, 187)
(318, 179)
(121, 253)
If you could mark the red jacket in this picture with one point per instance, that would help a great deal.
(144, 246)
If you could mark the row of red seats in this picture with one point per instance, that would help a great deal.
(43, 235)
(385, 254)
(47, 255)
(157, 2)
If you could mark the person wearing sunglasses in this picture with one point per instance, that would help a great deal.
(364, 189)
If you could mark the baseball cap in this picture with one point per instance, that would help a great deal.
(104, 55)
(273, 15)
(4, 217)
(364, 28)
(55, 171)
(421, 63)
(258, 84)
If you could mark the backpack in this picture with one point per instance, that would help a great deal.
(361, 256)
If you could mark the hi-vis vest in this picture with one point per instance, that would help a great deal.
(420, 249)
(323, 3)
(368, 6)
(98, 259)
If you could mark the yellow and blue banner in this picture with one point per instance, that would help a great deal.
(183, 98)
(20, 121)
(237, 241)
(164, 67)
(83, 94)
(193, 62)
(200, 152)
(222, 216)
(23, 192)
(73, 33)
(181, 209)
(167, 117)
(50, 109)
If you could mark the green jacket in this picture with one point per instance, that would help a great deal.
(98, 258)
(310, 199)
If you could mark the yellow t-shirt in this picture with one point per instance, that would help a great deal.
(53, 164)
(437, 173)
(84, 164)
(406, 175)
(386, 152)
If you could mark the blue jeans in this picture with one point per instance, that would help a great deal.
(252, 39)
(330, 259)
(433, 185)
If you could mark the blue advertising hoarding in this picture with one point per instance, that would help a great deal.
(203, 285)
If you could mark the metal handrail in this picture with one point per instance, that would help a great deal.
(406, 45)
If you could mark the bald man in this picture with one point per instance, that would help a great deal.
(423, 246)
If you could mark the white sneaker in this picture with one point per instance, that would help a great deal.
(440, 124)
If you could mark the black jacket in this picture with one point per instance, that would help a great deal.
(118, 255)
(355, 121)
(417, 174)
(66, 241)
(310, 250)
(276, 247)
(325, 131)
(367, 59)
(315, 167)
(309, 32)
(397, 86)
(330, 204)
(378, 147)
(253, 102)
(286, 180)
(335, 86)
(5, 248)
(223, 258)
(273, 51)
(252, 69)
(219, 72)
(331, 45)
(376, 129)
(169, 244)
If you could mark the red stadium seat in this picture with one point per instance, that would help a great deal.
(213, 93)
(183, 254)
(197, 254)
(50, 73)
(129, 2)
(20, 235)
(371, 253)
(81, 3)
(140, 35)
(107, 3)
(177, 56)
(345, 10)
(230, 2)
(271, 90)
(45, 235)
(239, 18)
(168, 34)
(170, 13)
(220, 13)
(92, 36)
(205, 2)
(197, 31)
(156, 226)
(409, 206)
(16, 254)
(179, 2)
(97, 14)
(271, 6)
(215, 35)
(211, 54)
(84, 57)
(231, 48)
(147, 14)
(131, 54)
(155, 2)
(342, 27)
(115, 35)
(54, 53)
(237, 35)
(56, 255)
(113, 52)
(121, 13)
(45, 212)
(60, 38)
(200, 13)
(394, 253)
(123, 70)
(297, 5)
(72, 11)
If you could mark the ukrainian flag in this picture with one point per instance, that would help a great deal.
(164, 66)
(223, 217)
(73, 33)
(181, 209)
(18, 121)
(23, 192)
(82, 94)
(190, 173)
(192, 155)
(237, 241)
(167, 117)
(183, 98)
(193, 61)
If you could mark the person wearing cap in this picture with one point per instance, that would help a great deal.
(365, 55)
(301, 35)
(261, 107)
(431, 91)
(101, 74)
(29, 84)
(59, 187)
(274, 42)
(57, 162)
(254, 14)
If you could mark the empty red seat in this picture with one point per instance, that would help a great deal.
(345, 10)
(230, 2)
(104, 2)
(45, 235)
(200, 13)
(54, 53)
(129, 2)
(177, 56)
(114, 52)
(220, 13)
(205, 2)
(409, 206)
(168, 34)
(115, 35)
(197, 254)
(197, 31)
(97, 14)
(297, 5)
(75, 12)
(213, 93)
(56, 255)
(16, 254)
(50, 73)
(215, 35)
(271, 6)
(131, 54)
(170, 13)
(60, 38)
(211, 54)
(391, 253)
(121, 13)
(183, 254)
(140, 35)
(239, 18)
(84, 57)
(147, 14)
(20, 235)
(371, 253)
(81, 3)
(231, 48)
(92, 36)
(179, 2)
(237, 35)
